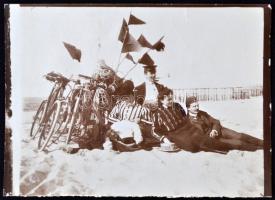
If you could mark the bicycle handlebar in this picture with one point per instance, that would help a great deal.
(76, 81)
(84, 76)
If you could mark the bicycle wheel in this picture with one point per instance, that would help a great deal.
(73, 120)
(38, 118)
(52, 125)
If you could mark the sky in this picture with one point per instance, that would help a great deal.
(205, 47)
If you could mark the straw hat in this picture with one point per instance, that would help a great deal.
(169, 147)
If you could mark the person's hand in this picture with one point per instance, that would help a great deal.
(213, 134)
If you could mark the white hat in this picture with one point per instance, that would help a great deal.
(169, 147)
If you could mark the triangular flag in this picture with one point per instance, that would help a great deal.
(144, 42)
(130, 44)
(124, 29)
(130, 57)
(74, 52)
(146, 60)
(159, 46)
(134, 20)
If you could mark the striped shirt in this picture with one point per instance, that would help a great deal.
(168, 119)
(125, 110)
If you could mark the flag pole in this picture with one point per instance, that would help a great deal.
(137, 62)
(118, 63)
(122, 60)
(135, 65)
(129, 71)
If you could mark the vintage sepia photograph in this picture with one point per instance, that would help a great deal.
(137, 101)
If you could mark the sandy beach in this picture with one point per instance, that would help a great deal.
(150, 173)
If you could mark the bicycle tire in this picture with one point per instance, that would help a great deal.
(70, 131)
(38, 120)
(55, 111)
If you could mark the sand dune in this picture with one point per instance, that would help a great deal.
(150, 173)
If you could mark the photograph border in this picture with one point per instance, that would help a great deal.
(267, 81)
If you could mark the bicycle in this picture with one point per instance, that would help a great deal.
(57, 91)
(66, 114)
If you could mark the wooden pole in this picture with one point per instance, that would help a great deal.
(130, 70)
(118, 62)
(135, 64)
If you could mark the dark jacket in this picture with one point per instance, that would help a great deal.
(140, 91)
(180, 109)
(168, 118)
(205, 122)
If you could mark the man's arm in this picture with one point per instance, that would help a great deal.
(146, 116)
(157, 128)
(216, 125)
(114, 114)
(148, 121)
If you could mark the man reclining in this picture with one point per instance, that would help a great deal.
(212, 128)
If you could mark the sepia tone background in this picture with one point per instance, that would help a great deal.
(205, 48)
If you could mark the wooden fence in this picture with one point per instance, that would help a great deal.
(218, 94)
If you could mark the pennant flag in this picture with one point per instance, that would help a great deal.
(130, 44)
(134, 20)
(146, 60)
(124, 29)
(74, 52)
(159, 45)
(130, 57)
(144, 42)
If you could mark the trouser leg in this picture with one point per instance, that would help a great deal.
(195, 140)
(148, 140)
(239, 145)
(210, 143)
(245, 138)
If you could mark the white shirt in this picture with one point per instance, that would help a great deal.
(193, 115)
(126, 129)
(151, 92)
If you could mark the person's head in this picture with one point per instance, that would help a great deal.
(165, 97)
(105, 72)
(192, 105)
(126, 91)
(126, 88)
(150, 72)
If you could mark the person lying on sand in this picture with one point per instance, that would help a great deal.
(126, 120)
(170, 125)
(213, 129)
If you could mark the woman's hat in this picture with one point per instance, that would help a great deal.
(150, 68)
